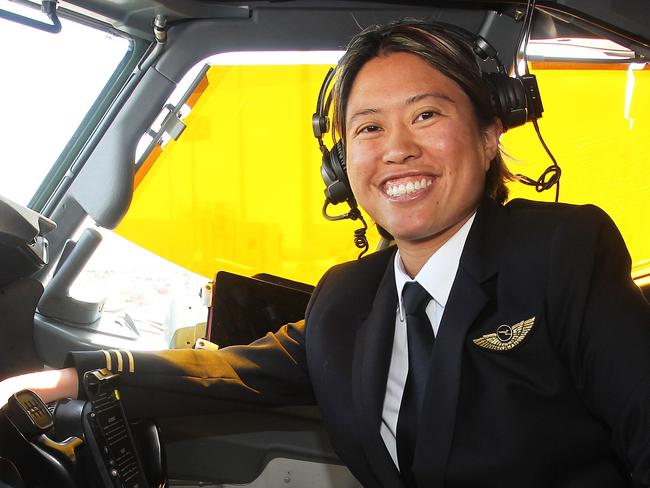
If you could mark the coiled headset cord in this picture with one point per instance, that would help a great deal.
(360, 239)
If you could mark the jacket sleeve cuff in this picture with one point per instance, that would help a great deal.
(84, 361)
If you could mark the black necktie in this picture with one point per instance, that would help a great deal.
(420, 345)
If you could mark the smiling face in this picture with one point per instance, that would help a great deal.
(416, 156)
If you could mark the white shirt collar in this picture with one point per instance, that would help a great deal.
(438, 273)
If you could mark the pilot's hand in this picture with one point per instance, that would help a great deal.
(49, 385)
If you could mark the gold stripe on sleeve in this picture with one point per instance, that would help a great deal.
(131, 361)
(109, 362)
(120, 361)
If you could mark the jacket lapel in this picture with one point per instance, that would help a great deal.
(370, 371)
(469, 295)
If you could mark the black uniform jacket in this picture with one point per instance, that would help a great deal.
(540, 375)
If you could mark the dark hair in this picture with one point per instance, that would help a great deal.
(446, 51)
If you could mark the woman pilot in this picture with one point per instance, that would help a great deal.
(497, 344)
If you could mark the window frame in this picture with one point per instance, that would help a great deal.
(138, 47)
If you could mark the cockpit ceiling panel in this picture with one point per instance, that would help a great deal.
(626, 17)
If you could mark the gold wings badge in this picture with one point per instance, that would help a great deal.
(506, 337)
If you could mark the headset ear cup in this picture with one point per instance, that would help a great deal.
(333, 172)
(508, 99)
(338, 161)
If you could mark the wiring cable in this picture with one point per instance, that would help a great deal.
(551, 175)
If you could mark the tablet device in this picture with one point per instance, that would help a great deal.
(244, 309)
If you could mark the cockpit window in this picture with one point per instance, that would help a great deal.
(48, 84)
(227, 177)
(241, 188)
(241, 185)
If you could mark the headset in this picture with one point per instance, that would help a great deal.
(333, 168)
(515, 101)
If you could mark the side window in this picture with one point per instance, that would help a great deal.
(226, 179)
(48, 84)
(241, 186)
(141, 291)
